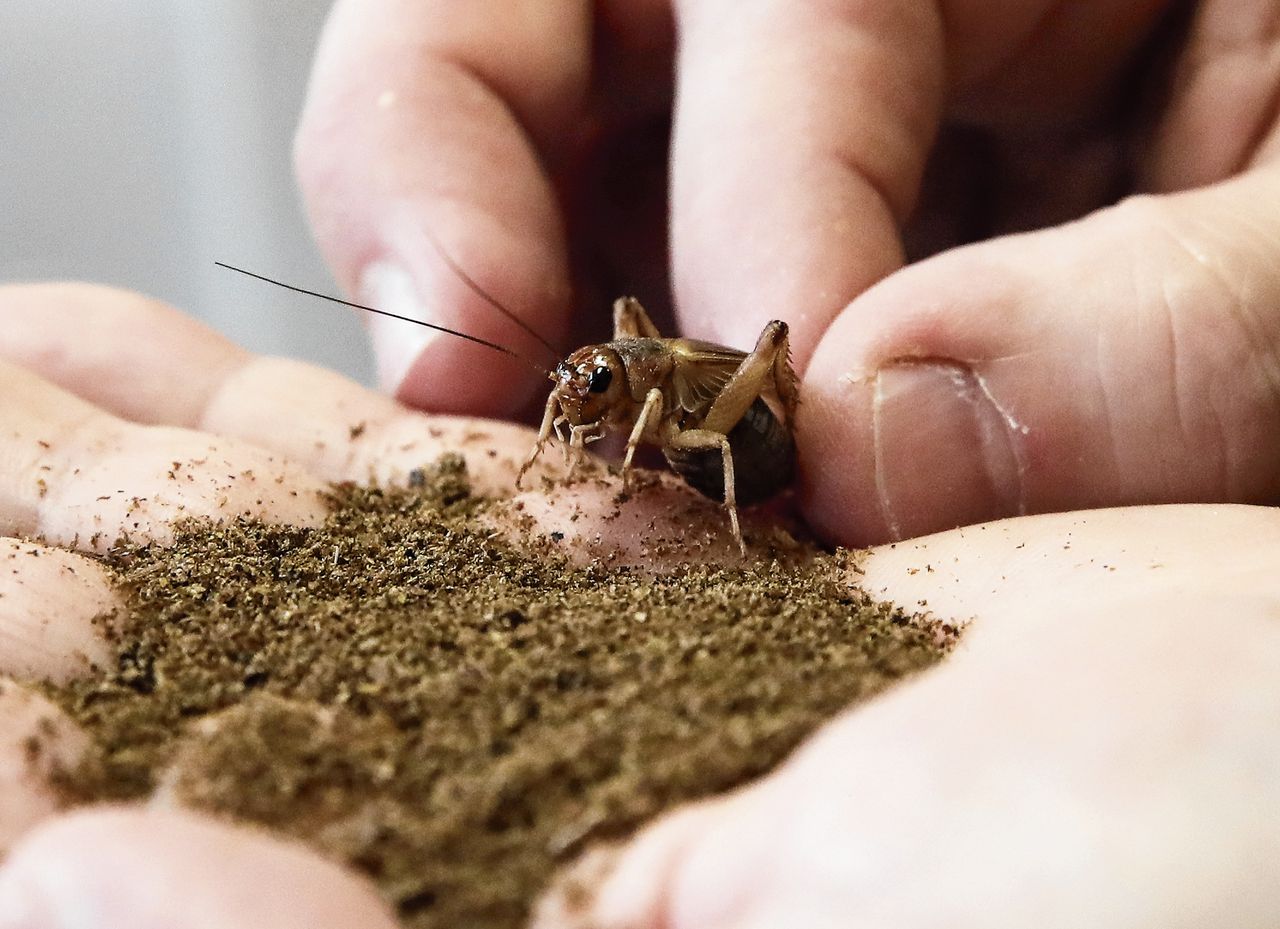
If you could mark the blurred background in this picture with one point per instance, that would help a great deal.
(141, 140)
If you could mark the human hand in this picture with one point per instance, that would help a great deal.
(1118, 682)
(1100, 751)
(121, 417)
(1126, 358)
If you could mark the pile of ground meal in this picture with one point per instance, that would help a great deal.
(452, 718)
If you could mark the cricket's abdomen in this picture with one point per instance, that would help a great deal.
(764, 459)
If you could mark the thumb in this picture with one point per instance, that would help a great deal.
(1130, 357)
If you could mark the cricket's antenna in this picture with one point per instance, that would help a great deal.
(492, 301)
(369, 309)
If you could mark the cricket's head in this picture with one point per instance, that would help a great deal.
(589, 384)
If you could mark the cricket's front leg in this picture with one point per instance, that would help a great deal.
(545, 432)
(579, 438)
(652, 408)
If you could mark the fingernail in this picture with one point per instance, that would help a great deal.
(387, 286)
(947, 453)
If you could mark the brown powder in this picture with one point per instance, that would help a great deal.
(452, 718)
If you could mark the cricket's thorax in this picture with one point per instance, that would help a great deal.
(648, 363)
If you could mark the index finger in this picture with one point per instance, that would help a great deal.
(431, 121)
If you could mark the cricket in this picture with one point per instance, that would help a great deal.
(720, 416)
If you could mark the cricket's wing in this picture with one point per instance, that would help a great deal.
(701, 371)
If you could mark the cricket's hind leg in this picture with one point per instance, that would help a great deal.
(766, 366)
(741, 425)
(763, 452)
(707, 456)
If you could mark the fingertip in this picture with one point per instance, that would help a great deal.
(900, 430)
(836, 487)
(483, 280)
(919, 446)
(164, 377)
(629, 885)
(464, 380)
(150, 869)
(52, 609)
(37, 741)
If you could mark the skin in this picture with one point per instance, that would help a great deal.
(1101, 749)
(858, 169)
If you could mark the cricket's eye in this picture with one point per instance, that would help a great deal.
(601, 378)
